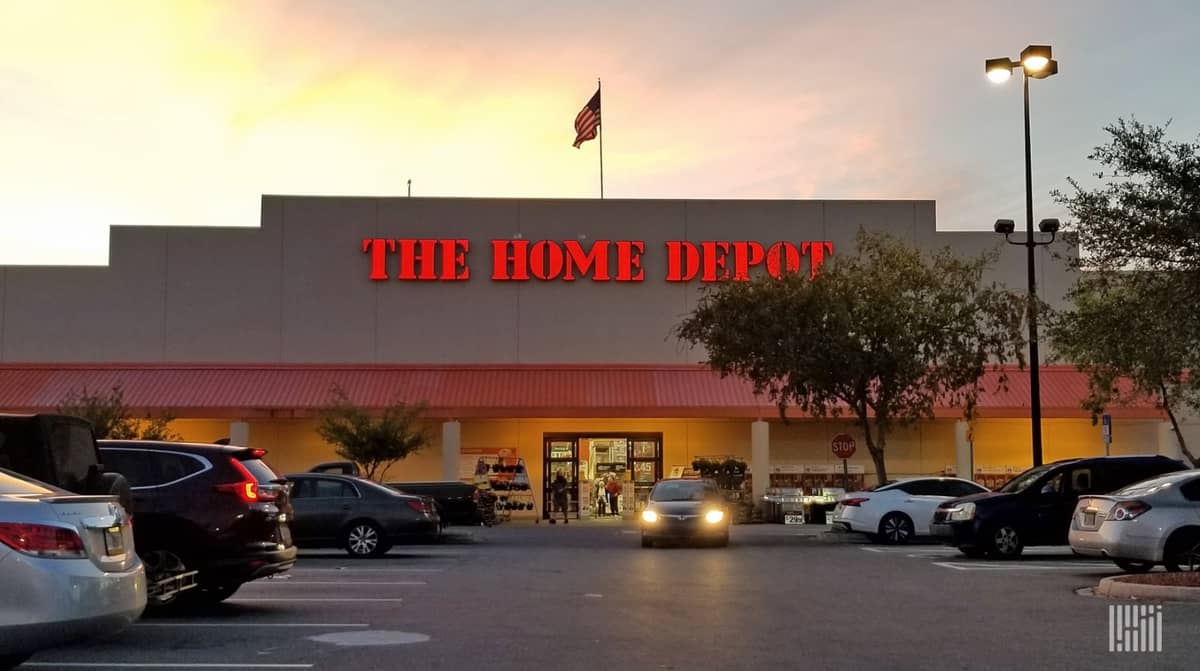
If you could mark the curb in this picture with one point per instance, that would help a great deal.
(1115, 588)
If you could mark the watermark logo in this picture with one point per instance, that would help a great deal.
(1135, 628)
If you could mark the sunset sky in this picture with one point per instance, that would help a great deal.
(184, 113)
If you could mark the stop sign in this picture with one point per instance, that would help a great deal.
(843, 446)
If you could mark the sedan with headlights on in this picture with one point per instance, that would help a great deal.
(683, 510)
(67, 568)
(1155, 521)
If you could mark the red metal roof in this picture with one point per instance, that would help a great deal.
(467, 391)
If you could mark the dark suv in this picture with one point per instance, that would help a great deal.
(217, 510)
(59, 450)
(1035, 507)
(457, 502)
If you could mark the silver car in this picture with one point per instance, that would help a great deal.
(67, 568)
(1152, 522)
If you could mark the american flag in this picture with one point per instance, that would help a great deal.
(588, 120)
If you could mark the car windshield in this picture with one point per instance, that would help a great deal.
(880, 486)
(376, 487)
(1024, 480)
(681, 491)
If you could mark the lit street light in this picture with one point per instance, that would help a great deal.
(1036, 62)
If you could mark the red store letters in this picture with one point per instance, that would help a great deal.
(603, 261)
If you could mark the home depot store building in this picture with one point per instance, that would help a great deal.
(537, 329)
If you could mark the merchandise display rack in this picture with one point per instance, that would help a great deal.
(509, 483)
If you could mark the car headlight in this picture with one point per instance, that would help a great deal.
(649, 516)
(714, 516)
(962, 512)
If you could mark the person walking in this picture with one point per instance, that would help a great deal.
(614, 490)
(558, 490)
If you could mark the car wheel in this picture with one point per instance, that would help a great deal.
(1133, 565)
(973, 552)
(647, 542)
(1006, 542)
(10, 661)
(896, 529)
(161, 564)
(364, 539)
(1183, 552)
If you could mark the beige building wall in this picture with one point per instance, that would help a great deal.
(297, 289)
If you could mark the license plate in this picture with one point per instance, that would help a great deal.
(114, 541)
(1089, 519)
(793, 518)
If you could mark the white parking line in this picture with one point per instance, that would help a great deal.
(365, 570)
(325, 600)
(284, 581)
(163, 665)
(1018, 566)
(243, 625)
(907, 549)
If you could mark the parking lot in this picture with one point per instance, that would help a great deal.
(586, 596)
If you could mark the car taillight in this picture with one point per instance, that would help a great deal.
(41, 540)
(855, 501)
(1128, 510)
(247, 488)
(419, 506)
(475, 496)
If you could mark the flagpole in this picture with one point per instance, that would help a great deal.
(600, 132)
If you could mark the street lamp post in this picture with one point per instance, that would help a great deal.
(1035, 62)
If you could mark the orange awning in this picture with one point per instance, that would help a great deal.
(474, 391)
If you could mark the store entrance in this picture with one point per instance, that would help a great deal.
(603, 470)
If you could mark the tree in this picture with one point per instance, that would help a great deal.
(373, 443)
(885, 335)
(1133, 326)
(111, 418)
(1122, 331)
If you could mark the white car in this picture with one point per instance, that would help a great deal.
(897, 511)
(67, 568)
(1155, 521)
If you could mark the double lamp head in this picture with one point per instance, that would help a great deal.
(1036, 61)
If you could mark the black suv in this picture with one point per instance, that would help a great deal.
(214, 509)
(457, 502)
(59, 450)
(1035, 507)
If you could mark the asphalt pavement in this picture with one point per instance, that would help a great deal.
(587, 596)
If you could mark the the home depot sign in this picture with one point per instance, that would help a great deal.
(601, 261)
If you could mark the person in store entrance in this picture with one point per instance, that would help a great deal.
(600, 495)
(558, 489)
(614, 490)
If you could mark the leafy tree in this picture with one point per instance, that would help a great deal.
(1134, 316)
(373, 443)
(111, 418)
(885, 335)
(1123, 332)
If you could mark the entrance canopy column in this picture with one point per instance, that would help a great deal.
(451, 448)
(239, 433)
(760, 459)
(964, 450)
